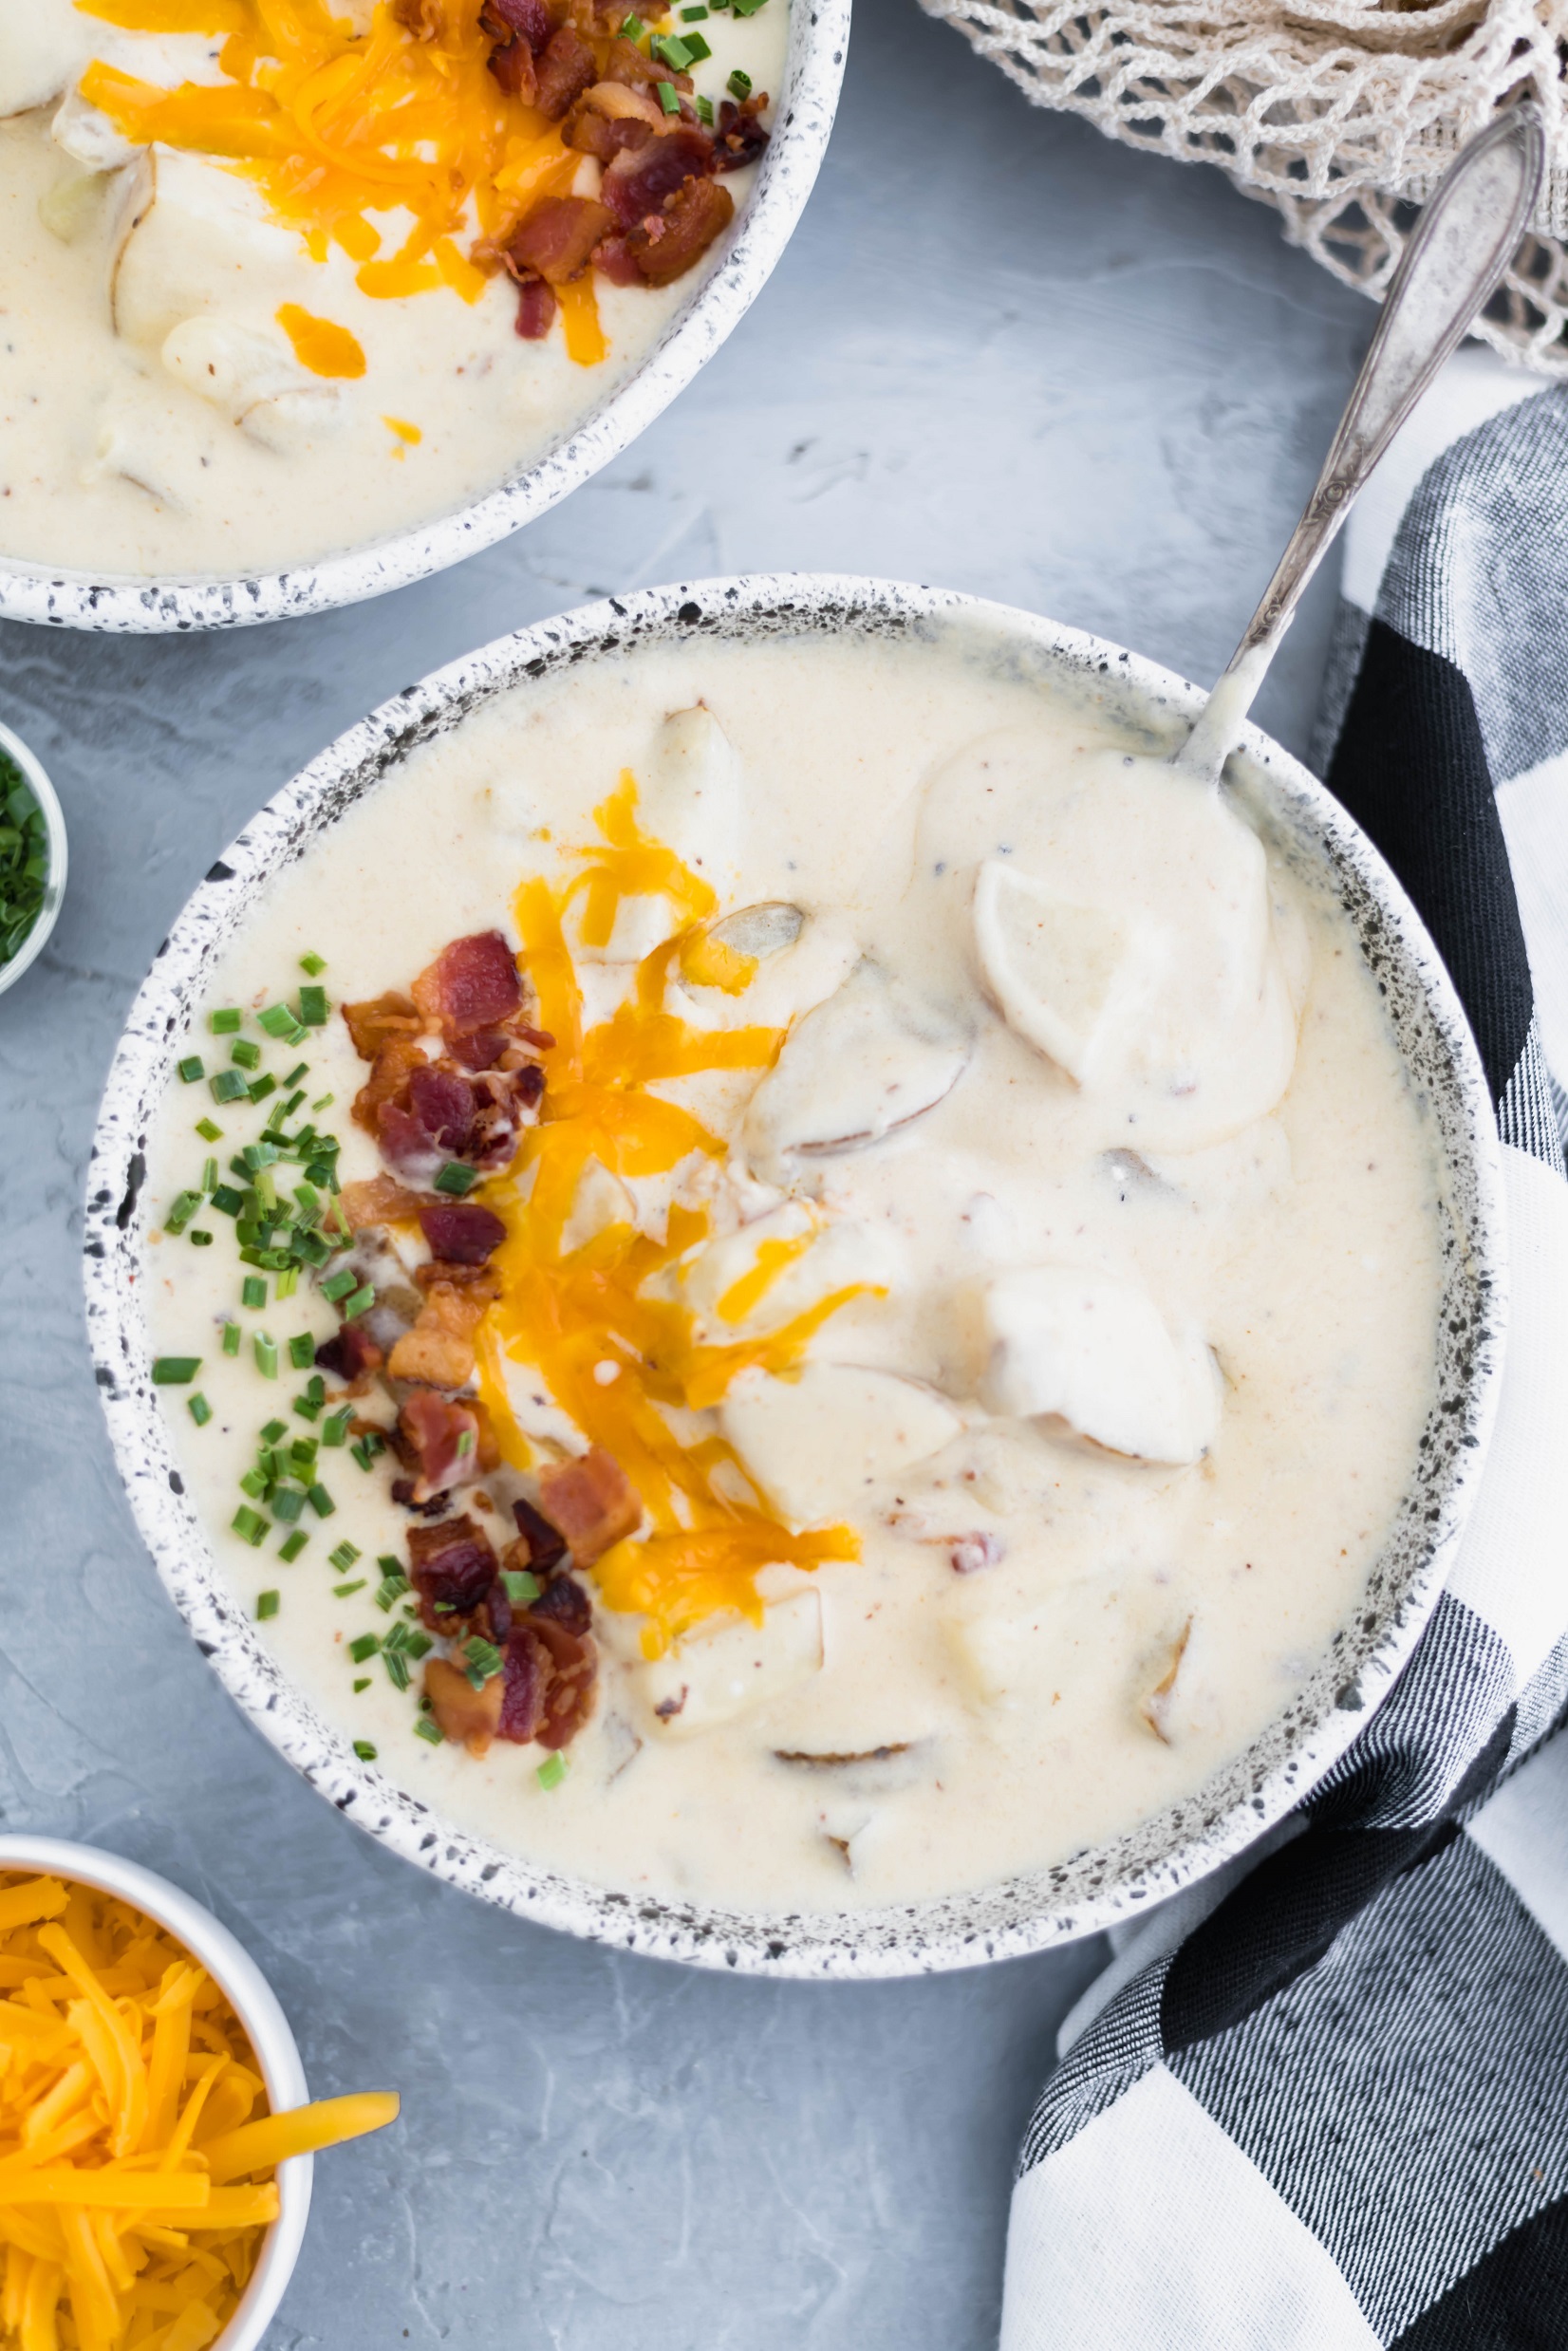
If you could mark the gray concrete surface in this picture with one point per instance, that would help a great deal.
(1001, 354)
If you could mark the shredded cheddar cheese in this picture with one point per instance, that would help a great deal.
(335, 126)
(566, 1313)
(136, 2149)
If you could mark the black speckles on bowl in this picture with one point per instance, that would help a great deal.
(1025, 1912)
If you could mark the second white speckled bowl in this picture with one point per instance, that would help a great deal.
(1037, 1908)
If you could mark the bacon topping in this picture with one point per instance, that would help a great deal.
(696, 214)
(640, 180)
(592, 1502)
(529, 21)
(350, 1355)
(557, 237)
(565, 1602)
(468, 1717)
(627, 63)
(472, 984)
(613, 115)
(375, 1022)
(460, 1233)
(742, 137)
(380, 1199)
(535, 309)
(616, 263)
(569, 1690)
(445, 1443)
(566, 70)
(393, 1062)
(540, 1546)
(451, 1567)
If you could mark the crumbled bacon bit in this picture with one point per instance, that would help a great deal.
(557, 237)
(460, 1231)
(640, 179)
(380, 1199)
(616, 263)
(472, 984)
(742, 137)
(592, 1502)
(468, 1717)
(613, 115)
(536, 308)
(565, 1602)
(523, 1678)
(542, 1546)
(520, 20)
(451, 1567)
(375, 1022)
(471, 1278)
(445, 1443)
(350, 1355)
(698, 213)
(627, 63)
(569, 1692)
(438, 1349)
(566, 70)
(423, 18)
(394, 1063)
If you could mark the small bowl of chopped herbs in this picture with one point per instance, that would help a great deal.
(32, 857)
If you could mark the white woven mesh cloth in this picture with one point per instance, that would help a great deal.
(1342, 113)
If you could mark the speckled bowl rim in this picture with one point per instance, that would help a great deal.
(813, 72)
(257, 2007)
(1036, 1909)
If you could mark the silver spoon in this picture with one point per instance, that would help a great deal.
(1465, 239)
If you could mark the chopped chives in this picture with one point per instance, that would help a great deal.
(314, 965)
(268, 1604)
(199, 1240)
(273, 1431)
(335, 1430)
(364, 1683)
(295, 1544)
(287, 1502)
(199, 1409)
(175, 1371)
(363, 1748)
(426, 1728)
(695, 48)
(251, 1525)
(670, 49)
(666, 93)
(456, 1177)
(552, 1771)
(693, 16)
(321, 1502)
(278, 1021)
(252, 1290)
(284, 1287)
(520, 1586)
(704, 105)
(302, 1454)
(230, 1338)
(191, 1068)
(246, 1054)
(392, 1588)
(288, 1108)
(313, 1008)
(739, 83)
(366, 1451)
(744, 7)
(301, 1069)
(181, 1209)
(227, 1200)
(397, 1668)
(324, 1103)
(267, 1355)
(481, 1659)
(256, 1483)
(208, 1133)
(228, 1086)
(630, 28)
(363, 1645)
(302, 1346)
(260, 1087)
(209, 1175)
(341, 1592)
(344, 1558)
(363, 1300)
(225, 1021)
(339, 1285)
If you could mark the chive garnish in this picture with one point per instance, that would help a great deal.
(391, 1589)
(227, 1200)
(324, 1102)
(704, 105)
(267, 1355)
(313, 1008)
(260, 1087)
(631, 28)
(666, 93)
(321, 1502)
(426, 1728)
(481, 1659)
(312, 964)
(302, 1346)
(693, 16)
(230, 1338)
(695, 48)
(520, 1586)
(199, 1409)
(366, 1451)
(287, 1502)
(739, 83)
(225, 1020)
(301, 1069)
(284, 1287)
(339, 1285)
(191, 1068)
(364, 1683)
(397, 1668)
(268, 1604)
(335, 1430)
(175, 1371)
(456, 1177)
(363, 1300)
(363, 1748)
(552, 1771)
(252, 1290)
(246, 1054)
(228, 1086)
(279, 1021)
(181, 1209)
(295, 1544)
(672, 51)
(208, 1133)
(341, 1592)
(363, 1645)
(344, 1558)
(273, 1431)
(251, 1525)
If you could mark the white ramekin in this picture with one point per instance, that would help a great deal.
(54, 887)
(254, 2001)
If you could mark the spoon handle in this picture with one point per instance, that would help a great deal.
(1466, 235)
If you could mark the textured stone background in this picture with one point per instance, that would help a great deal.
(1000, 355)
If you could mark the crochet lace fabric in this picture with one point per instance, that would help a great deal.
(1343, 113)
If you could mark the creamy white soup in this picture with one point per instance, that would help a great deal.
(880, 1234)
(256, 309)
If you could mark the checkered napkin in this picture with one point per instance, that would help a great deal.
(1322, 2100)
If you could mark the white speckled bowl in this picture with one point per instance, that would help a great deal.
(254, 2001)
(1029, 1911)
(813, 69)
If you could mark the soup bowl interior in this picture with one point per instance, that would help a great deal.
(814, 70)
(1035, 1909)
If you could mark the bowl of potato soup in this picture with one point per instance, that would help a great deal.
(299, 309)
(769, 1295)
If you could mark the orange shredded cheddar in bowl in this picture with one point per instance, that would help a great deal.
(138, 2150)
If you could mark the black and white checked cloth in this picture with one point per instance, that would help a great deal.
(1321, 2101)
